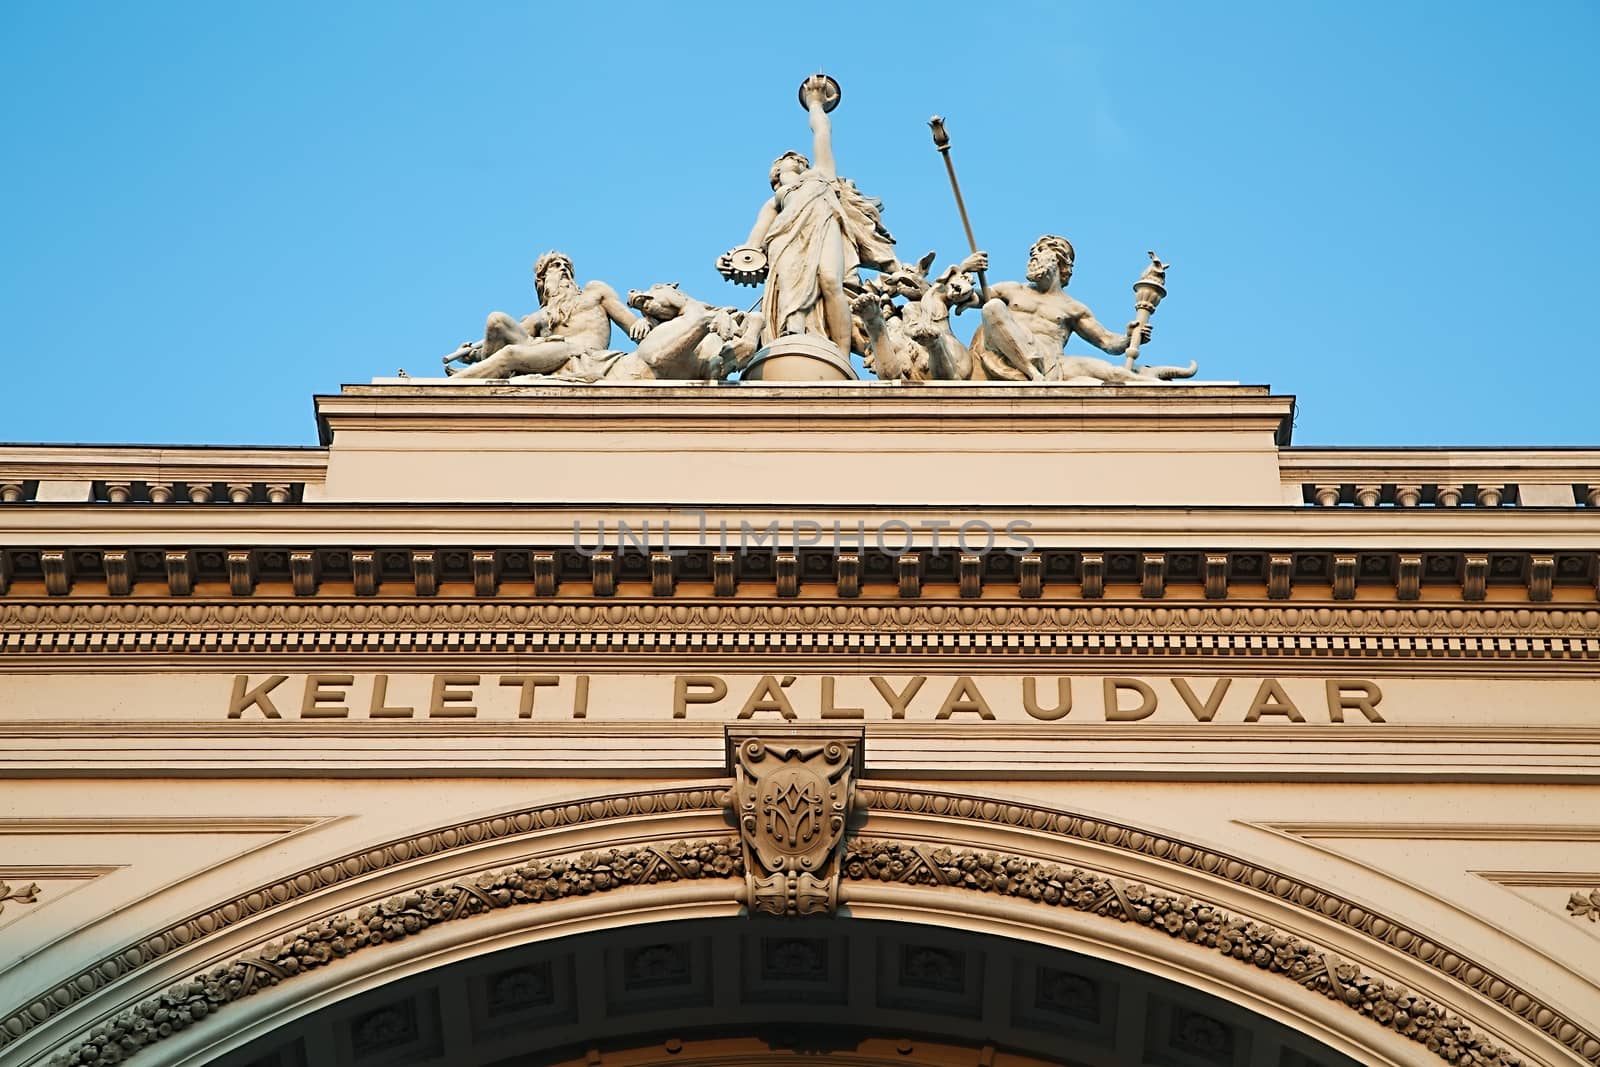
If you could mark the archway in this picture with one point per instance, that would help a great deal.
(1279, 950)
(734, 990)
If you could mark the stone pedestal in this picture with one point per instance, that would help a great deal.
(942, 444)
(800, 358)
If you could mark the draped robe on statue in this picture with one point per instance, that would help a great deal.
(796, 242)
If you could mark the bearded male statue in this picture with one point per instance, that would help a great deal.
(569, 336)
(1027, 325)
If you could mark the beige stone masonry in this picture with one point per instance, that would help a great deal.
(866, 443)
(1314, 731)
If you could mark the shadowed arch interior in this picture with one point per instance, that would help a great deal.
(737, 990)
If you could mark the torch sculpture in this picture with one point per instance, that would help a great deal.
(1148, 292)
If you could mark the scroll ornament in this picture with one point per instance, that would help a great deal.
(792, 799)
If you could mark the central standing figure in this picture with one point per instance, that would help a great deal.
(814, 232)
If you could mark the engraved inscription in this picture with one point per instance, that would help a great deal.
(1038, 699)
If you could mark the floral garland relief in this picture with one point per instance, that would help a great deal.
(1585, 905)
(319, 944)
(1258, 944)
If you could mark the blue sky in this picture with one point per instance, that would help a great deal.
(213, 211)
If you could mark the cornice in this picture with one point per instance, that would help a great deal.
(1310, 463)
(309, 462)
(200, 824)
(1179, 577)
(450, 407)
(552, 525)
(213, 462)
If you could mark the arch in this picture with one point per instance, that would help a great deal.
(742, 990)
(1365, 983)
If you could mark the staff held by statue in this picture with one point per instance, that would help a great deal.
(1148, 292)
(941, 141)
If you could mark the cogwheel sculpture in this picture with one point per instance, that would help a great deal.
(744, 266)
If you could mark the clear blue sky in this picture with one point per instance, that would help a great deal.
(213, 211)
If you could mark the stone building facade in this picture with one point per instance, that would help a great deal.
(944, 724)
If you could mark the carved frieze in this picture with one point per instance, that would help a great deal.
(322, 943)
(1585, 905)
(874, 863)
(495, 572)
(1196, 921)
(1253, 943)
(791, 799)
(32, 631)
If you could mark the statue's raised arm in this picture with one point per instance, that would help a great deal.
(820, 94)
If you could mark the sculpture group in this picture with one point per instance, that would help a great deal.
(809, 248)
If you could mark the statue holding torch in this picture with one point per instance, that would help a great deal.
(1026, 325)
(1147, 294)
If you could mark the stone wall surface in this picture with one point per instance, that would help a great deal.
(1346, 732)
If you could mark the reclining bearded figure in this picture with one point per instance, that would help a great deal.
(569, 337)
(570, 334)
(1026, 326)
